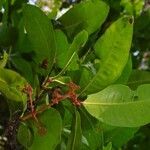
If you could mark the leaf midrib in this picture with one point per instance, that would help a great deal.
(109, 104)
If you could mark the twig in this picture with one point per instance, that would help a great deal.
(42, 109)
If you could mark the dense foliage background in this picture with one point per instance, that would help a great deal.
(74, 74)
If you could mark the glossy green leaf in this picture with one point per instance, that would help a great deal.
(79, 41)
(62, 48)
(23, 44)
(25, 135)
(74, 141)
(113, 50)
(80, 18)
(70, 51)
(138, 77)
(11, 85)
(143, 91)
(51, 125)
(118, 105)
(123, 79)
(41, 35)
(3, 60)
(22, 57)
(86, 76)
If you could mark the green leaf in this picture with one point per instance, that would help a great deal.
(80, 18)
(113, 50)
(25, 69)
(62, 48)
(143, 91)
(41, 35)
(22, 57)
(86, 76)
(132, 7)
(50, 121)
(108, 147)
(64, 55)
(3, 60)
(23, 44)
(24, 135)
(11, 85)
(123, 79)
(74, 141)
(120, 136)
(8, 35)
(138, 77)
(117, 105)
(79, 41)
(91, 130)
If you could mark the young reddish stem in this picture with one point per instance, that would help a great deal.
(29, 91)
(71, 94)
(42, 109)
(57, 96)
